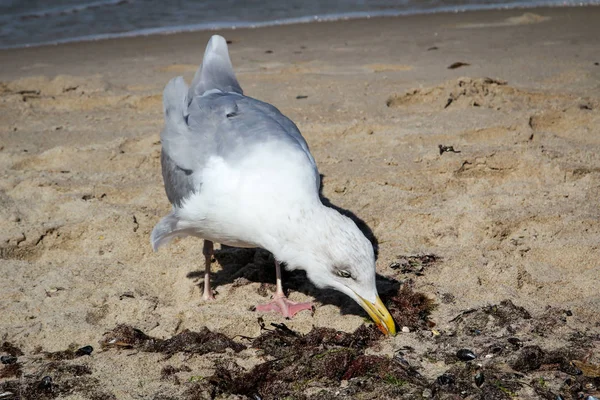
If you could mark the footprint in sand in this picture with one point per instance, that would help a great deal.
(70, 93)
(485, 93)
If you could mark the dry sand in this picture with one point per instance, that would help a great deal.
(512, 215)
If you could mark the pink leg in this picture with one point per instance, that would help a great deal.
(280, 303)
(208, 253)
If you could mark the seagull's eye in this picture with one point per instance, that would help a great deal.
(344, 274)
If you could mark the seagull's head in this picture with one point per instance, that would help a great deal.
(337, 255)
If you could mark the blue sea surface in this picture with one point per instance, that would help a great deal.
(34, 22)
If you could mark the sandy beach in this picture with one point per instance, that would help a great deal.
(505, 209)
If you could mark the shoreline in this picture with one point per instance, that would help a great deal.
(333, 17)
(186, 47)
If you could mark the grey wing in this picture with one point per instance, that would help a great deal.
(182, 155)
(216, 71)
(288, 127)
(184, 150)
(177, 138)
(234, 124)
(178, 181)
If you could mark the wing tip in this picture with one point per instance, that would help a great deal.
(216, 71)
(175, 93)
(217, 43)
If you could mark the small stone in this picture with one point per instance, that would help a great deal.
(405, 329)
(445, 379)
(8, 360)
(45, 383)
(479, 379)
(427, 393)
(84, 351)
(465, 355)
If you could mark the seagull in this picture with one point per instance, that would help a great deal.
(238, 172)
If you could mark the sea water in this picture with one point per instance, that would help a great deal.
(34, 22)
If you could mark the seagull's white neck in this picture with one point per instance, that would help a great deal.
(301, 236)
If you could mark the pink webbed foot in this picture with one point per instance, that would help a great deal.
(285, 307)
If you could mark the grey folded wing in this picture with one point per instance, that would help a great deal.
(226, 125)
(179, 183)
(181, 153)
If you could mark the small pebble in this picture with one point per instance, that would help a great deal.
(458, 65)
(84, 351)
(45, 383)
(479, 379)
(8, 360)
(445, 379)
(465, 355)
(405, 329)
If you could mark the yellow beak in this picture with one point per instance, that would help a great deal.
(380, 315)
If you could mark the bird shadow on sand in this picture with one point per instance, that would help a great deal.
(240, 267)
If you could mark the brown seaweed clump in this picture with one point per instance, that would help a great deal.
(313, 363)
(411, 309)
(202, 342)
